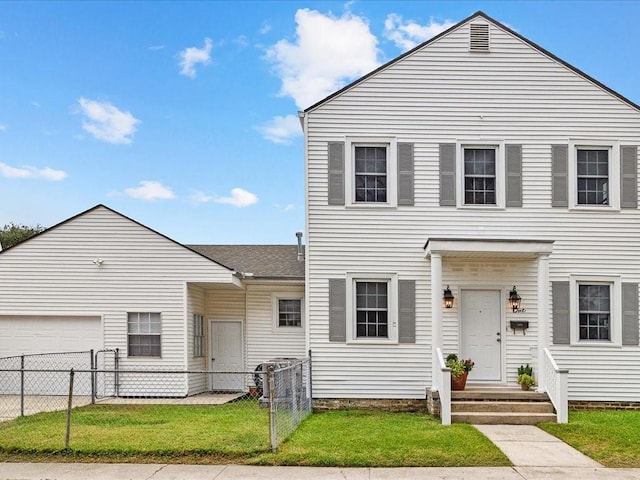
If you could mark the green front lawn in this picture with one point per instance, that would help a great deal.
(383, 439)
(238, 433)
(611, 437)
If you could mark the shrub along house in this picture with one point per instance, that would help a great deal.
(482, 164)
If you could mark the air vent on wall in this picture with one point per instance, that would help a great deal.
(479, 37)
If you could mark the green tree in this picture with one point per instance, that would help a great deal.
(12, 234)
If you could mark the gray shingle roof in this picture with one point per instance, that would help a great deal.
(264, 261)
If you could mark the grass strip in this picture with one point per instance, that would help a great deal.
(610, 437)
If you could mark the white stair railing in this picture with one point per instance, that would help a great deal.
(556, 386)
(442, 383)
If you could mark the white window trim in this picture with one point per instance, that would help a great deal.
(161, 334)
(275, 324)
(499, 147)
(392, 305)
(391, 143)
(615, 318)
(614, 172)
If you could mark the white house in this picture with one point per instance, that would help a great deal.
(477, 164)
(101, 280)
(480, 163)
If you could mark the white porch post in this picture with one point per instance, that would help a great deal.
(436, 313)
(543, 317)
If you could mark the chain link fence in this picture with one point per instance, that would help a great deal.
(257, 410)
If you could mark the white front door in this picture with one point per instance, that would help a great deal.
(226, 356)
(480, 337)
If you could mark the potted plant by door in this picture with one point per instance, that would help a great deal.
(459, 371)
(525, 377)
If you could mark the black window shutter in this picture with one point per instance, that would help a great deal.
(514, 175)
(406, 311)
(337, 310)
(629, 176)
(448, 175)
(336, 173)
(630, 314)
(560, 173)
(405, 174)
(560, 292)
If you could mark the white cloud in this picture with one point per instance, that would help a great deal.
(191, 56)
(106, 122)
(3, 128)
(281, 129)
(155, 48)
(327, 53)
(408, 34)
(198, 197)
(239, 198)
(150, 190)
(32, 172)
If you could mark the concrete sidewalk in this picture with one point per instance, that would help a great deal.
(101, 471)
(529, 446)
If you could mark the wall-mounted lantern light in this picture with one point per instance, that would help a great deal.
(447, 298)
(514, 300)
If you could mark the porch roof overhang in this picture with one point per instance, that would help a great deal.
(488, 248)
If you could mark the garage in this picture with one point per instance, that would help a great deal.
(29, 335)
(22, 335)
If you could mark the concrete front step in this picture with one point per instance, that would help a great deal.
(506, 395)
(469, 406)
(502, 418)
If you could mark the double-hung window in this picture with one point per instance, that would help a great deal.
(371, 173)
(144, 331)
(592, 167)
(289, 312)
(479, 176)
(594, 312)
(198, 335)
(372, 309)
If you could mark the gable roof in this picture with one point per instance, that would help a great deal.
(70, 219)
(262, 261)
(478, 14)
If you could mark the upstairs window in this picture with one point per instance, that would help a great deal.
(371, 173)
(479, 176)
(593, 176)
(594, 303)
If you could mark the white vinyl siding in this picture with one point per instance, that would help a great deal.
(444, 94)
(264, 340)
(54, 274)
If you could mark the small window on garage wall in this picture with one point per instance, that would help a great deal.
(287, 312)
(144, 331)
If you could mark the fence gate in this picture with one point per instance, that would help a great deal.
(106, 381)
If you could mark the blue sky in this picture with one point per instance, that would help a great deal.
(183, 115)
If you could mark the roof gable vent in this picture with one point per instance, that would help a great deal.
(479, 37)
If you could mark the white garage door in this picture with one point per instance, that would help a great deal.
(21, 335)
(24, 335)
